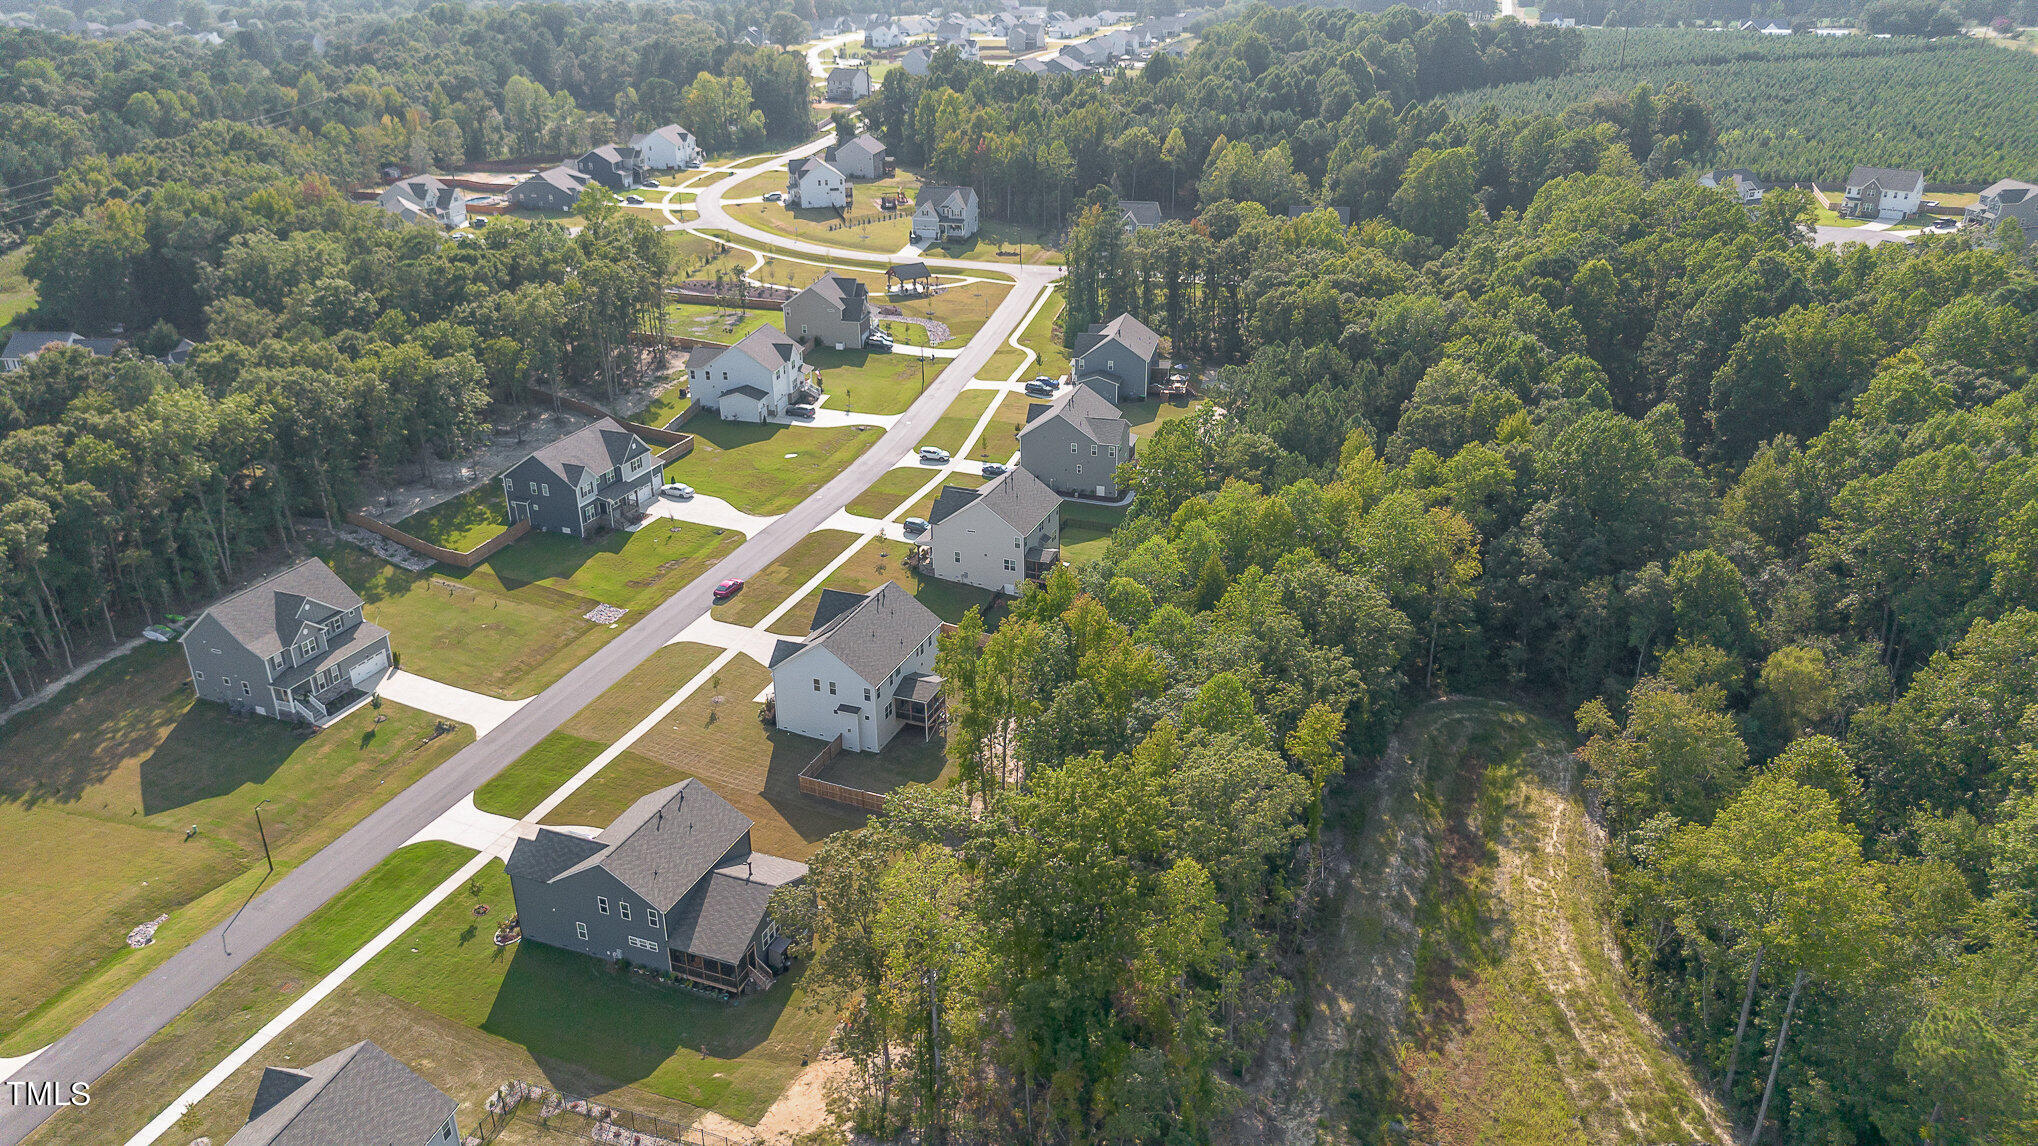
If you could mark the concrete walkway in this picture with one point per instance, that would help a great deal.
(753, 643)
(428, 695)
(470, 827)
(710, 511)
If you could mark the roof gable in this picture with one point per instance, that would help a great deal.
(273, 614)
(872, 633)
(660, 847)
(595, 448)
(360, 1094)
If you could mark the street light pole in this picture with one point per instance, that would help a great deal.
(265, 836)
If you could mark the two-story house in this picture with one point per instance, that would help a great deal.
(833, 311)
(996, 537)
(942, 213)
(1885, 193)
(1076, 443)
(1117, 358)
(883, 34)
(553, 189)
(860, 158)
(2006, 199)
(672, 884)
(359, 1095)
(1139, 215)
(963, 45)
(668, 148)
(293, 647)
(425, 199)
(915, 61)
(752, 381)
(813, 182)
(864, 671)
(1025, 37)
(590, 480)
(616, 166)
(24, 345)
(1739, 182)
(847, 85)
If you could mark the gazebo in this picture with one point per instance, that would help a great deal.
(909, 276)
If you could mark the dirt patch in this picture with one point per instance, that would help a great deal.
(801, 1110)
(394, 498)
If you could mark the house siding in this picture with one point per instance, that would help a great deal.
(1119, 362)
(225, 664)
(810, 712)
(972, 545)
(548, 910)
(1044, 449)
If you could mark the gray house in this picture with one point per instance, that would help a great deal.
(1739, 182)
(553, 189)
(860, 158)
(1139, 214)
(360, 1095)
(2006, 199)
(591, 479)
(834, 311)
(1076, 443)
(23, 345)
(616, 166)
(1886, 193)
(1118, 358)
(672, 884)
(997, 537)
(847, 85)
(293, 647)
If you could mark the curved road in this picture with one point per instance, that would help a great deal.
(118, 1028)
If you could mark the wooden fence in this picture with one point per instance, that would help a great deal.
(862, 220)
(813, 785)
(659, 434)
(455, 557)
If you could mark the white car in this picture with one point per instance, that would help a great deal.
(934, 455)
(679, 490)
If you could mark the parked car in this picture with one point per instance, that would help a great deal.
(728, 589)
(804, 412)
(774, 196)
(678, 489)
(915, 525)
(1044, 380)
(1036, 390)
(878, 340)
(993, 469)
(478, 222)
(934, 455)
(634, 200)
(651, 183)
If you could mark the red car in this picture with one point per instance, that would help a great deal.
(728, 589)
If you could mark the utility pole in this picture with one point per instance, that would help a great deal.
(265, 836)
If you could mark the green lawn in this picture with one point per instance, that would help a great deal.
(460, 523)
(884, 495)
(533, 215)
(536, 774)
(1086, 530)
(1040, 337)
(954, 426)
(668, 405)
(964, 307)
(872, 383)
(889, 235)
(1000, 439)
(783, 577)
(348, 921)
(699, 257)
(766, 469)
(119, 768)
(615, 712)
(1150, 415)
(17, 293)
(875, 563)
(714, 323)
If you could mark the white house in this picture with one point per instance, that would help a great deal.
(1070, 27)
(1738, 181)
(885, 35)
(995, 537)
(860, 158)
(814, 182)
(942, 212)
(964, 46)
(424, 199)
(864, 671)
(847, 85)
(1025, 37)
(1887, 193)
(668, 148)
(751, 381)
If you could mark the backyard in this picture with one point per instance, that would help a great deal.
(766, 469)
(1086, 530)
(459, 523)
(725, 324)
(160, 789)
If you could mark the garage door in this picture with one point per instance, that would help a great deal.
(370, 669)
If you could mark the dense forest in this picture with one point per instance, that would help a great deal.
(1549, 422)
(1959, 109)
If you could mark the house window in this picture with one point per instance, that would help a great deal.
(1073, 447)
(958, 556)
(245, 690)
(817, 684)
(580, 929)
(546, 489)
(307, 647)
(888, 711)
(646, 944)
(651, 916)
(534, 487)
(1093, 451)
(866, 692)
(601, 904)
(1079, 467)
(1114, 451)
(1009, 566)
(623, 908)
(831, 688)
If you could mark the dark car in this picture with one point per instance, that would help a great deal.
(1036, 390)
(804, 411)
(728, 589)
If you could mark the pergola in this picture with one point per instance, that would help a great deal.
(914, 276)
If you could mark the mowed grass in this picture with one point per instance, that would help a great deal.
(462, 522)
(864, 382)
(888, 491)
(670, 403)
(952, 429)
(1150, 415)
(716, 323)
(766, 469)
(17, 293)
(1086, 530)
(964, 307)
(887, 236)
(875, 563)
(1041, 338)
(784, 577)
(100, 788)
(528, 779)
(1000, 439)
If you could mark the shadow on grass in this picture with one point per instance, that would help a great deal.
(813, 818)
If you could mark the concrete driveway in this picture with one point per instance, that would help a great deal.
(428, 695)
(709, 511)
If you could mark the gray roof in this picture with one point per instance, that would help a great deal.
(594, 448)
(768, 346)
(872, 633)
(660, 847)
(945, 198)
(1134, 334)
(1144, 212)
(23, 343)
(269, 616)
(566, 179)
(2009, 190)
(1889, 178)
(671, 131)
(799, 167)
(1021, 500)
(846, 295)
(912, 270)
(361, 1097)
(1032, 66)
(719, 917)
(1083, 409)
(861, 145)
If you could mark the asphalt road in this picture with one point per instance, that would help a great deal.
(118, 1028)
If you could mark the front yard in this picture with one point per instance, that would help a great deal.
(952, 429)
(766, 469)
(867, 382)
(875, 563)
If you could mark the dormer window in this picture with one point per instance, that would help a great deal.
(308, 647)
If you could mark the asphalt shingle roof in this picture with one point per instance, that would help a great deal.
(718, 919)
(666, 842)
(360, 1097)
(1086, 411)
(768, 346)
(269, 616)
(1890, 178)
(597, 447)
(1020, 500)
(1144, 212)
(862, 145)
(872, 633)
(1134, 334)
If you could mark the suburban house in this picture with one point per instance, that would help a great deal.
(1069, 27)
(1883, 193)
(361, 1094)
(814, 182)
(672, 885)
(942, 212)
(1025, 38)
(1118, 358)
(997, 537)
(1063, 64)
(1032, 66)
(1738, 182)
(915, 62)
(963, 46)
(424, 199)
(1139, 214)
(293, 647)
(847, 85)
(23, 345)
(592, 479)
(616, 166)
(883, 35)
(2007, 199)
(751, 381)
(1076, 443)
(754, 36)
(668, 148)
(833, 311)
(860, 158)
(553, 189)
(864, 671)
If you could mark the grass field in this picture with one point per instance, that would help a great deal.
(459, 523)
(963, 307)
(766, 469)
(953, 427)
(716, 323)
(872, 383)
(875, 563)
(1039, 337)
(17, 293)
(536, 774)
(1000, 439)
(886, 237)
(120, 768)
(1086, 530)
(783, 577)
(884, 495)
(668, 405)
(1148, 416)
